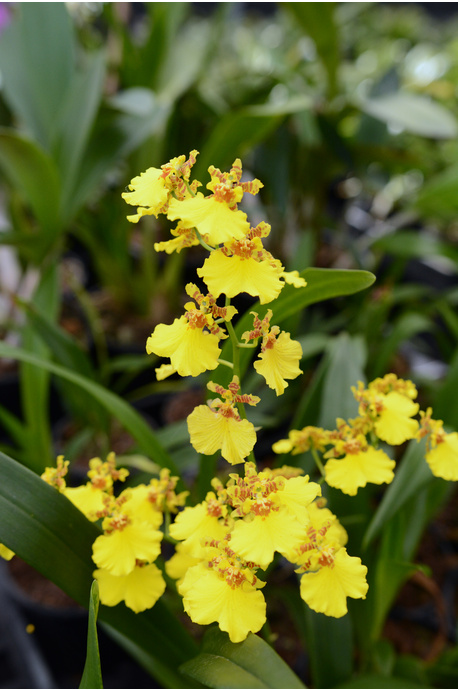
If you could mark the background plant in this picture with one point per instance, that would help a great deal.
(323, 102)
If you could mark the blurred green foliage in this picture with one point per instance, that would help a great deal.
(348, 114)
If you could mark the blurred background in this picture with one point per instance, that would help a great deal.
(348, 114)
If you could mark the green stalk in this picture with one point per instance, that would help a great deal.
(318, 462)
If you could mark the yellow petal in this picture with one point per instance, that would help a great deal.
(211, 217)
(258, 540)
(6, 553)
(232, 275)
(148, 190)
(355, 470)
(394, 424)
(280, 362)
(119, 550)
(208, 599)
(193, 525)
(138, 505)
(297, 494)
(443, 459)
(178, 565)
(87, 499)
(293, 278)
(326, 590)
(191, 350)
(211, 431)
(139, 589)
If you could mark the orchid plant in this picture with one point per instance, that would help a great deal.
(227, 544)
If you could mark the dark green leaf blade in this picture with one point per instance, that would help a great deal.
(248, 664)
(37, 52)
(45, 529)
(412, 475)
(322, 284)
(92, 674)
(124, 412)
(31, 171)
(378, 681)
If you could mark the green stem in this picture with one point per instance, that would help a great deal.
(202, 241)
(226, 363)
(318, 462)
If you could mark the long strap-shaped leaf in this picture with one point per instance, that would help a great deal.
(124, 412)
(92, 674)
(249, 664)
(46, 530)
(322, 284)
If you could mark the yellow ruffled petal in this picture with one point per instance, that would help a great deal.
(319, 517)
(138, 505)
(211, 217)
(443, 459)
(326, 590)
(258, 540)
(87, 498)
(148, 191)
(164, 371)
(118, 551)
(178, 565)
(139, 589)
(207, 599)
(355, 470)
(394, 424)
(280, 362)
(297, 494)
(232, 275)
(195, 524)
(211, 431)
(191, 350)
(293, 278)
(285, 445)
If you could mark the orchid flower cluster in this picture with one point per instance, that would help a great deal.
(386, 413)
(225, 544)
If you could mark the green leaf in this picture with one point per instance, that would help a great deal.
(443, 672)
(346, 368)
(412, 475)
(330, 648)
(64, 348)
(92, 674)
(399, 542)
(37, 58)
(248, 664)
(322, 284)
(438, 197)
(412, 244)
(312, 344)
(128, 417)
(445, 406)
(238, 132)
(70, 355)
(32, 172)
(408, 325)
(45, 529)
(141, 115)
(373, 680)
(182, 63)
(75, 123)
(317, 20)
(414, 113)
(35, 381)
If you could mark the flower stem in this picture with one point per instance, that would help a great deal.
(318, 462)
